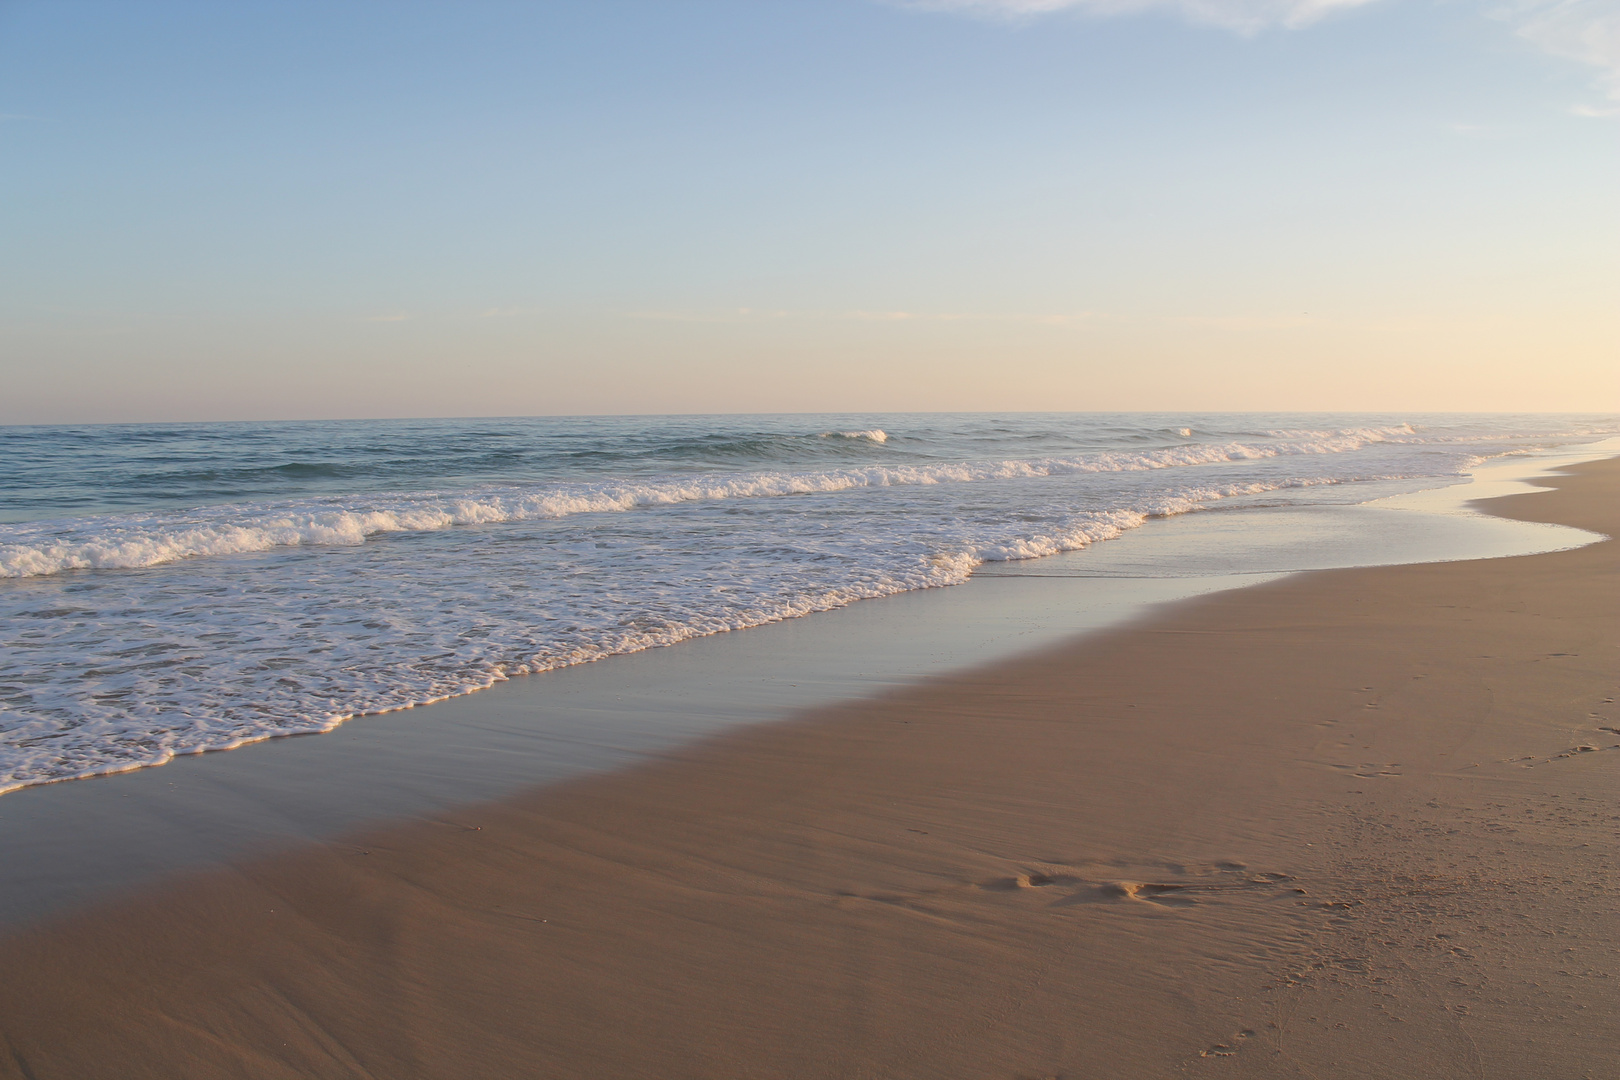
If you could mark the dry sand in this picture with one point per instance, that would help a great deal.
(1353, 823)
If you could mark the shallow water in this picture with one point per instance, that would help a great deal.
(66, 844)
(171, 589)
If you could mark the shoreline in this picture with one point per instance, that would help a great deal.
(1337, 824)
(85, 840)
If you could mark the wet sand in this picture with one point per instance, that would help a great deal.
(1340, 824)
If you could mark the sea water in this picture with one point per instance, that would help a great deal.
(169, 589)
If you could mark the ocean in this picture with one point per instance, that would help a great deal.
(169, 589)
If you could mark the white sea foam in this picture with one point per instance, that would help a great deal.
(145, 540)
(215, 657)
(255, 619)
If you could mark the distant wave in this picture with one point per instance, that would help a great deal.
(877, 435)
(153, 539)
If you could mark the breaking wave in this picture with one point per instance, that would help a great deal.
(242, 582)
(144, 540)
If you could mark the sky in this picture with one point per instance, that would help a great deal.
(359, 209)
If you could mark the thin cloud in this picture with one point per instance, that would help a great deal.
(1245, 16)
(1585, 31)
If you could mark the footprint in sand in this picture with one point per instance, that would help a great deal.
(1228, 1049)
(1584, 748)
(1032, 880)
(1371, 769)
(1148, 892)
(1227, 875)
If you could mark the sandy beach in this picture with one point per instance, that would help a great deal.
(1353, 823)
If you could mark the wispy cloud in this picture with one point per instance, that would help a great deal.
(1246, 16)
(1586, 31)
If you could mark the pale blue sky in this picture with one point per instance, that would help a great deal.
(342, 209)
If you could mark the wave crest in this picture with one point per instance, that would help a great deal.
(877, 435)
(153, 539)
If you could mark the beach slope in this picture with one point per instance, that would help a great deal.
(1353, 823)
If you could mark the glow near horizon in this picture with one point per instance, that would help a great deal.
(964, 204)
